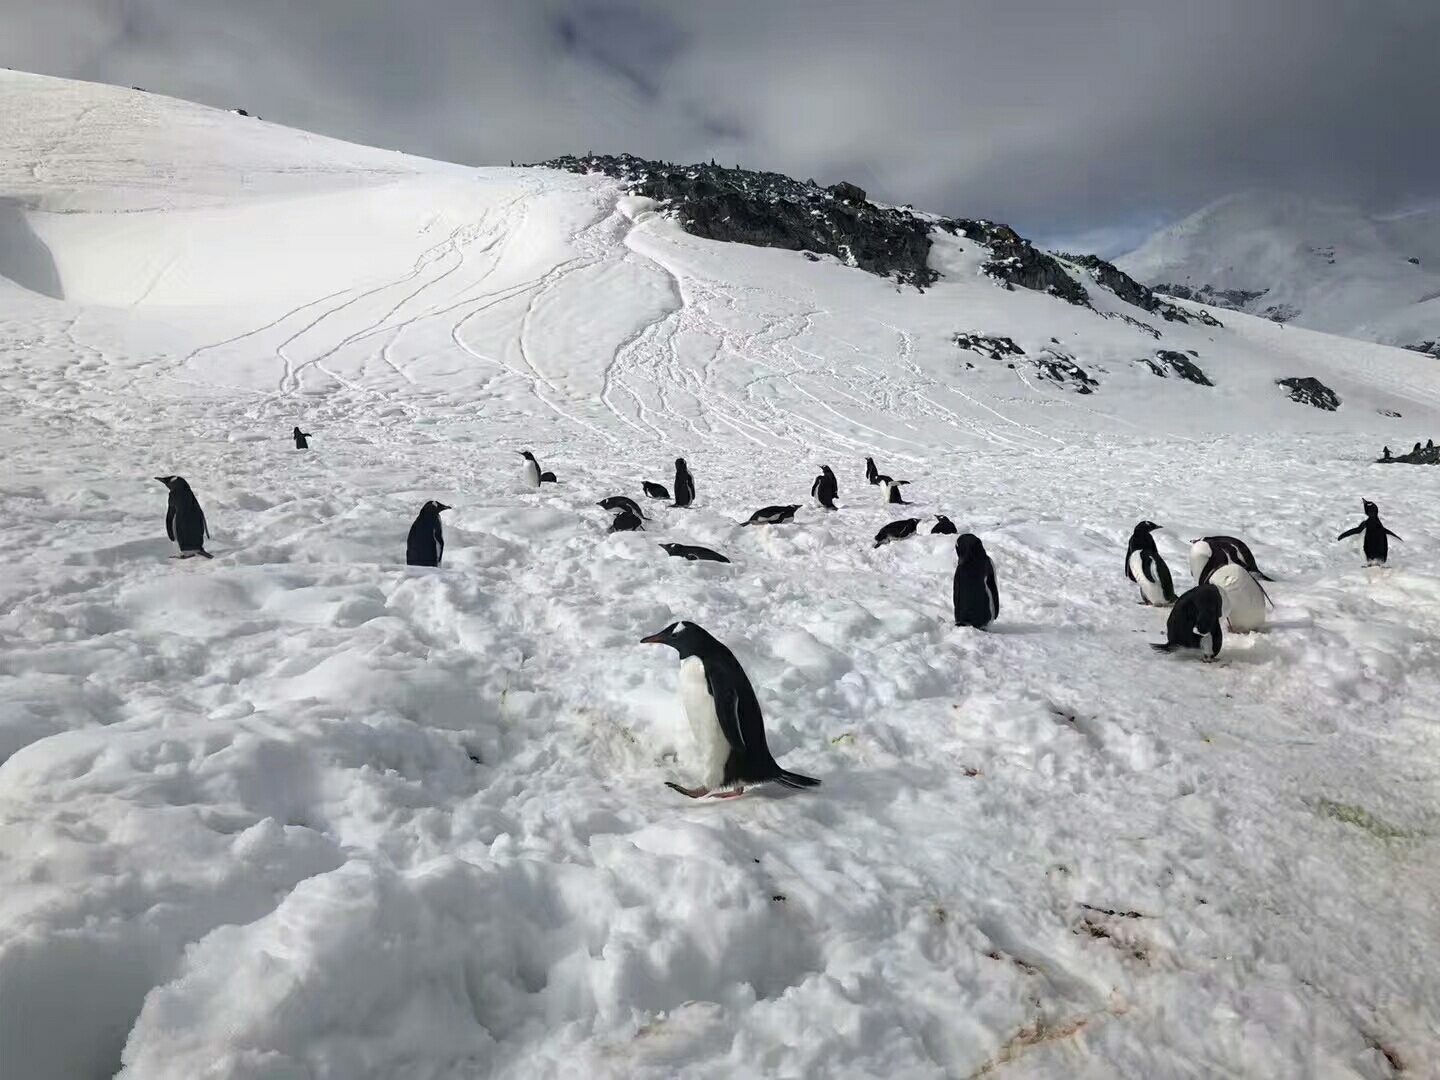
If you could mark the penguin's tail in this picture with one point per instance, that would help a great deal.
(202, 551)
(795, 780)
(1263, 576)
(1164, 646)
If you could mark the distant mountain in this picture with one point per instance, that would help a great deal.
(1318, 265)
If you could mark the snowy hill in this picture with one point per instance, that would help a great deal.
(303, 811)
(1325, 267)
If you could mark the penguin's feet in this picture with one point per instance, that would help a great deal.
(689, 793)
(735, 794)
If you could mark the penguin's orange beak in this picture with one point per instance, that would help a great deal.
(654, 639)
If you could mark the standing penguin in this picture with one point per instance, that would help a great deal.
(184, 520)
(530, 471)
(1377, 548)
(977, 600)
(943, 525)
(724, 716)
(825, 488)
(1145, 567)
(1194, 621)
(426, 542)
(892, 491)
(684, 484)
(300, 437)
(871, 472)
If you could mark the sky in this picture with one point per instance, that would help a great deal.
(1085, 123)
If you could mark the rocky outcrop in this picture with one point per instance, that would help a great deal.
(1057, 367)
(1309, 391)
(1015, 261)
(1168, 361)
(1235, 299)
(992, 345)
(1429, 348)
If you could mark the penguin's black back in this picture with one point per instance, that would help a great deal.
(300, 439)
(772, 515)
(1197, 612)
(944, 525)
(622, 502)
(896, 530)
(426, 542)
(693, 554)
(684, 484)
(184, 520)
(625, 521)
(655, 491)
(976, 596)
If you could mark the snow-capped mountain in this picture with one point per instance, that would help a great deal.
(304, 811)
(1304, 262)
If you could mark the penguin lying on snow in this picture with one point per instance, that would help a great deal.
(977, 600)
(1377, 548)
(655, 491)
(530, 471)
(621, 502)
(300, 437)
(772, 515)
(625, 521)
(1194, 621)
(1234, 549)
(1145, 567)
(943, 525)
(825, 488)
(548, 477)
(896, 530)
(684, 484)
(724, 716)
(694, 554)
(426, 542)
(184, 520)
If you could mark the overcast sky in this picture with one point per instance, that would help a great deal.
(1076, 120)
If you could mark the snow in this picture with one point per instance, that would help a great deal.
(303, 811)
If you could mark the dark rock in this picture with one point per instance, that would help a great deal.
(1429, 348)
(1235, 299)
(848, 193)
(1413, 261)
(1281, 313)
(1015, 261)
(993, 346)
(1143, 327)
(1388, 412)
(1063, 371)
(1116, 280)
(811, 256)
(1167, 361)
(1310, 391)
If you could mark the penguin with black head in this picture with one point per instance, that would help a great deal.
(1195, 620)
(977, 600)
(301, 439)
(426, 542)
(825, 488)
(1377, 548)
(184, 520)
(1145, 567)
(684, 484)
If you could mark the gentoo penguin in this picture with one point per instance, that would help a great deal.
(1195, 619)
(184, 520)
(530, 471)
(1385, 454)
(684, 484)
(896, 530)
(772, 515)
(1245, 597)
(724, 716)
(977, 600)
(548, 477)
(693, 554)
(1145, 567)
(625, 521)
(621, 502)
(1234, 550)
(1377, 548)
(300, 437)
(655, 491)
(943, 525)
(871, 473)
(427, 540)
(892, 491)
(825, 488)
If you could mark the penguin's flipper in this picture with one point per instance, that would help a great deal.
(795, 780)
(1353, 532)
(1393, 536)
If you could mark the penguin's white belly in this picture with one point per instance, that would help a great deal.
(704, 722)
(1151, 590)
(1246, 598)
(532, 474)
(1199, 556)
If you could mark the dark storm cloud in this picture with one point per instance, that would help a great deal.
(1062, 116)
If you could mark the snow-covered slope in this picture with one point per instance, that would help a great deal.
(1312, 264)
(305, 812)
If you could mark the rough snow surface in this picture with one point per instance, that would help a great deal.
(304, 812)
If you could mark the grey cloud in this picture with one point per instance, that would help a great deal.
(1061, 116)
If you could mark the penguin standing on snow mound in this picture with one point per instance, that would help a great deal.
(691, 553)
(1377, 548)
(621, 502)
(1245, 598)
(1234, 550)
(825, 488)
(1194, 621)
(625, 521)
(724, 716)
(896, 530)
(892, 491)
(1145, 567)
(655, 491)
(530, 471)
(977, 600)
(184, 520)
(684, 484)
(943, 525)
(300, 439)
(772, 515)
(426, 542)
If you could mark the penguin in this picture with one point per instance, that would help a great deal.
(300, 439)
(1194, 621)
(1385, 454)
(724, 716)
(1234, 549)
(548, 477)
(184, 520)
(655, 491)
(621, 502)
(693, 554)
(772, 515)
(530, 471)
(684, 484)
(625, 521)
(892, 488)
(1245, 598)
(825, 488)
(871, 473)
(977, 600)
(1145, 567)
(1377, 548)
(943, 525)
(427, 540)
(896, 530)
